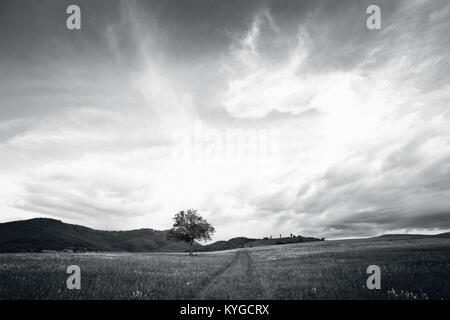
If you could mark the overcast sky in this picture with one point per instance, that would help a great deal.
(92, 120)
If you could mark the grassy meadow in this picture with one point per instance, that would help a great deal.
(410, 269)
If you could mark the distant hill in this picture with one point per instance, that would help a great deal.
(234, 243)
(242, 242)
(400, 236)
(50, 234)
(41, 234)
(411, 236)
(442, 235)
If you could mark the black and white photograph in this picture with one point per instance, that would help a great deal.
(221, 150)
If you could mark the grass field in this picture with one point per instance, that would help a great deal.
(410, 269)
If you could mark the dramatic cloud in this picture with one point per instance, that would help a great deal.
(157, 106)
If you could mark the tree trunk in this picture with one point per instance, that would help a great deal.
(190, 247)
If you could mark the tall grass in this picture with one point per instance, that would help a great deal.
(410, 269)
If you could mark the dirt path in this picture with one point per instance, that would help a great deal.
(237, 280)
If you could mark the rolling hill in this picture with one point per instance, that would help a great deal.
(243, 242)
(42, 234)
(50, 234)
(234, 243)
(411, 236)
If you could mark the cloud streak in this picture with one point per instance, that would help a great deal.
(87, 130)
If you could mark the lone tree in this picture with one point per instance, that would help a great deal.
(190, 226)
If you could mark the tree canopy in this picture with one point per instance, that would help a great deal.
(190, 226)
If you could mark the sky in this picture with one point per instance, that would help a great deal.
(268, 117)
